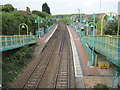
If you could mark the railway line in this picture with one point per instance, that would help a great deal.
(62, 76)
(54, 68)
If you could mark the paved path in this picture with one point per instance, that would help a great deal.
(83, 57)
(48, 35)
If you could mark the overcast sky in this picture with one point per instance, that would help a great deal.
(66, 6)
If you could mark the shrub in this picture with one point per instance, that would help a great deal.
(101, 86)
(7, 8)
(13, 63)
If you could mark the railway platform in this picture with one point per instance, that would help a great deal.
(91, 75)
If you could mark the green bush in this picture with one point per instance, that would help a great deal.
(13, 63)
(12, 20)
(65, 21)
(111, 27)
(41, 14)
(36, 12)
(101, 86)
(7, 8)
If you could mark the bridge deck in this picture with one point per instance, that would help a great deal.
(9, 42)
(16, 41)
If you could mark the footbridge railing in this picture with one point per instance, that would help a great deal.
(10, 42)
(107, 45)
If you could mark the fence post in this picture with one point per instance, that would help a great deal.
(113, 48)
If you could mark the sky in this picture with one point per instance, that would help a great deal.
(67, 6)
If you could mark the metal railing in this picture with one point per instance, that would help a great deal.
(107, 45)
(10, 42)
(49, 28)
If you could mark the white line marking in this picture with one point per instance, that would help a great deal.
(51, 34)
(77, 67)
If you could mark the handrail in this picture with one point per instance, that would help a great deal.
(112, 36)
(10, 42)
(107, 45)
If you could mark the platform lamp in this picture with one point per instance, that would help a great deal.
(38, 21)
(93, 25)
(110, 18)
(76, 26)
(23, 25)
(87, 25)
(82, 30)
(93, 39)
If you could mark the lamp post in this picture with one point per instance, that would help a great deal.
(93, 39)
(38, 21)
(76, 26)
(80, 23)
(92, 25)
(93, 43)
(87, 25)
(46, 24)
(110, 18)
(23, 26)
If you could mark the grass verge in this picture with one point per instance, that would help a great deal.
(13, 62)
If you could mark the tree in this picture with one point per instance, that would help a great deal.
(11, 21)
(45, 8)
(27, 9)
(111, 28)
(36, 12)
(7, 8)
(41, 14)
(96, 18)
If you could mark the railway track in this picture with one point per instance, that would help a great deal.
(63, 71)
(37, 73)
(53, 69)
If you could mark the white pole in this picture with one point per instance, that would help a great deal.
(100, 6)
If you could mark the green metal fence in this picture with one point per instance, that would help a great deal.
(49, 28)
(10, 42)
(106, 45)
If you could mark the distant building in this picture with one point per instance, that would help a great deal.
(74, 16)
(99, 15)
(86, 16)
(15, 9)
